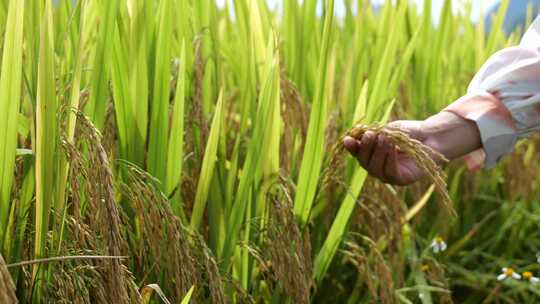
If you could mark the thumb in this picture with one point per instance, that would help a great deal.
(417, 129)
(413, 128)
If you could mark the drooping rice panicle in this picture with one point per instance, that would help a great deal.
(423, 155)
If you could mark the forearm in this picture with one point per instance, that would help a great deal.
(451, 135)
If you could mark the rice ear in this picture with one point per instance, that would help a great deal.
(287, 247)
(423, 155)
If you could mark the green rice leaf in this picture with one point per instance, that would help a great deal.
(97, 103)
(378, 96)
(74, 97)
(125, 119)
(46, 138)
(138, 77)
(176, 139)
(314, 150)
(255, 158)
(10, 96)
(207, 169)
(159, 122)
(187, 297)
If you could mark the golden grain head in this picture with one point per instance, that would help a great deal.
(422, 154)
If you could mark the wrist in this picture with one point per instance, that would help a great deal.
(451, 135)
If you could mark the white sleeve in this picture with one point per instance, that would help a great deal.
(504, 98)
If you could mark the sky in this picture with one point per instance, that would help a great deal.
(478, 7)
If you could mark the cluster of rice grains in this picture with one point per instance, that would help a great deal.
(422, 155)
(163, 238)
(288, 247)
(100, 231)
(382, 222)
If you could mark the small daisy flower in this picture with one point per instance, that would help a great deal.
(424, 268)
(527, 275)
(508, 272)
(438, 245)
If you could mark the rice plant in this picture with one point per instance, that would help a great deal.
(181, 151)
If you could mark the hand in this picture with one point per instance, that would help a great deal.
(445, 132)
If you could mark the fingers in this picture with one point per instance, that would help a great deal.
(372, 152)
(361, 148)
(382, 159)
(351, 144)
(391, 172)
(379, 156)
(366, 148)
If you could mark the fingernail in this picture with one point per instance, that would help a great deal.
(350, 143)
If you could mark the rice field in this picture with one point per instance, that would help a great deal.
(177, 151)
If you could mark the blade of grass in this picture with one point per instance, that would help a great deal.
(71, 121)
(123, 108)
(159, 122)
(176, 139)
(10, 96)
(97, 103)
(46, 140)
(187, 297)
(255, 159)
(313, 152)
(138, 81)
(207, 168)
(379, 93)
(31, 33)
